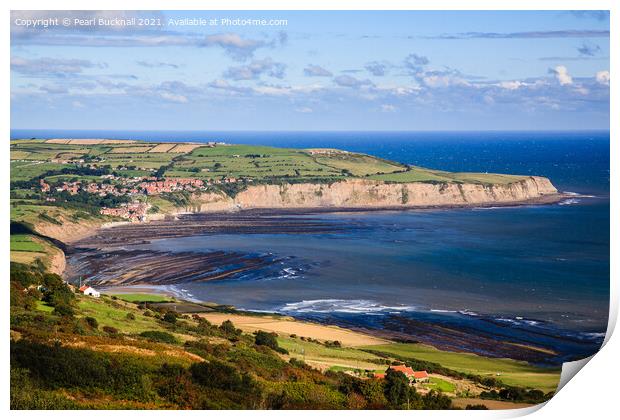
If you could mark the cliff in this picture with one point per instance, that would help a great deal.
(362, 193)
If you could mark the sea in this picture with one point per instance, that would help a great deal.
(533, 274)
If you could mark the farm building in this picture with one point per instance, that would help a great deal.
(412, 375)
(89, 291)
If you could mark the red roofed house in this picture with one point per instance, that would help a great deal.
(404, 369)
(89, 291)
(421, 376)
(413, 376)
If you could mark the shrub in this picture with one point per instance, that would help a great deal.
(263, 338)
(92, 322)
(65, 367)
(170, 317)
(130, 316)
(63, 309)
(229, 329)
(160, 336)
(216, 374)
(110, 330)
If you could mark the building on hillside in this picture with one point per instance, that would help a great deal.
(421, 376)
(89, 291)
(412, 375)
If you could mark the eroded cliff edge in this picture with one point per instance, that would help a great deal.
(368, 194)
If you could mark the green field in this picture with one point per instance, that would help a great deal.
(511, 372)
(259, 163)
(141, 297)
(332, 357)
(116, 316)
(25, 243)
(417, 174)
(439, 384)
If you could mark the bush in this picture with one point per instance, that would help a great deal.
(161, 336)
(83, 369)
(92, 322)
(110, 330)
(63, 309)
(230, 331)
(216, 374)
(130, 316)
(170, 317)
(263, 338)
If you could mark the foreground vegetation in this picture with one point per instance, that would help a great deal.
(72, 351)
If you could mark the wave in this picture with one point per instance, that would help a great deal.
(569, 201)
(355, 306)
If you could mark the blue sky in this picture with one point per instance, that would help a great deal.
(418, 70)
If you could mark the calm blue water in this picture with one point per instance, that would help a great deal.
(532, 274)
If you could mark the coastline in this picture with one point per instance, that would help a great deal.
(73, 239)
(251, 321)
(135, 270)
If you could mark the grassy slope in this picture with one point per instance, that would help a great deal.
(26, 243)
(329, 357)
(27, 249)
(141, 297)
(511, 372)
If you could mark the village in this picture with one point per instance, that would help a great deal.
(136, 188)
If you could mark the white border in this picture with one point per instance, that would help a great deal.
(591, 395)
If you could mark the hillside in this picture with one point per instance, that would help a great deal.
(135, 351)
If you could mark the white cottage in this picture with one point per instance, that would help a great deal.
(89, 291)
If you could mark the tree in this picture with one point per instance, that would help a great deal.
(263, 338)
(170, 317)
(397, 390)
(229, 329)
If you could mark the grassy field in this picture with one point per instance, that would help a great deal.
(25, 243)
(32, 158)
(331, 357)
(115, 315)
(439, 384)
(44, 307)
(141, 297)
(511, 372)
(417, 174)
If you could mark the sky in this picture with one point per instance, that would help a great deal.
(270, 70)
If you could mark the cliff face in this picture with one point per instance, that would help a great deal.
(361, 193)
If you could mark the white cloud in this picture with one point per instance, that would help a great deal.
(602, 77)
(561, 74)
(304, 110)
(173, 97)
(388, 108)
(443, 80)
(511, 85)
